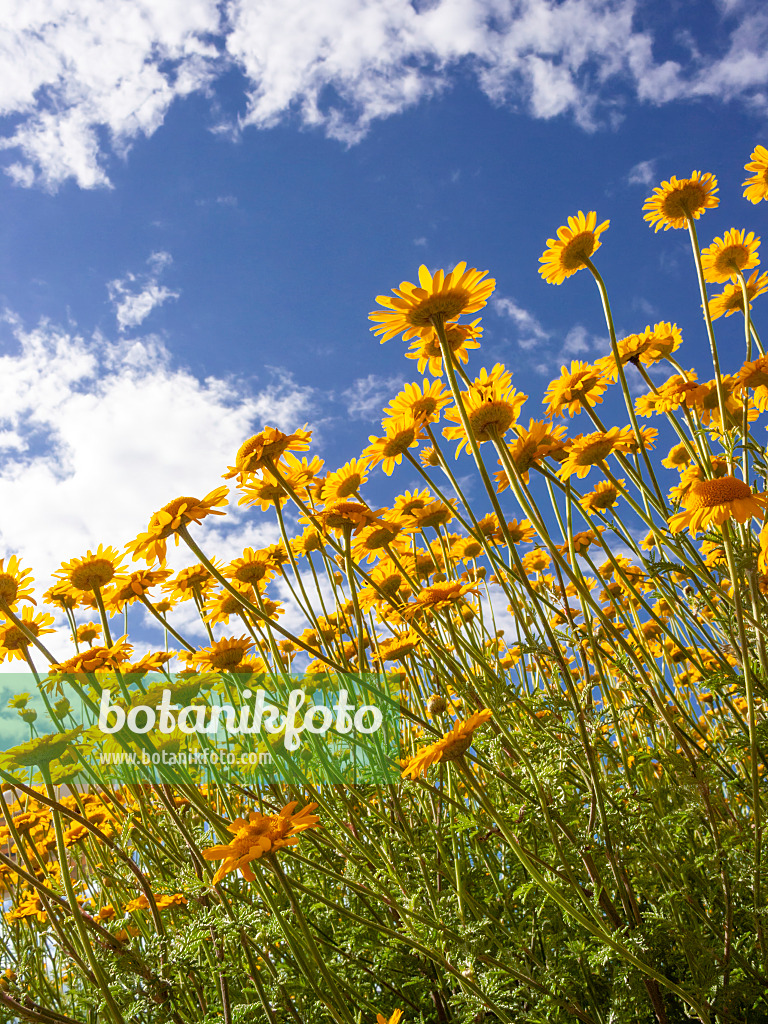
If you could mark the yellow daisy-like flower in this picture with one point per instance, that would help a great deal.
(88, 632)
(134, 588)
(452, 745)
(258, 835)
(15, 583)
(265, 492)
(343, 515)
(223, 605)
(669, 396)
(264, 448)
(254, 567)
(711, 502)
(394, 1019)
(14, 641)
(223, 655)
(541, 440)
(492, 406)
(677, 201)
(93, 571)
(678, 457)
(605, 495)
(345, 482)
(398, 647)
(728, 255)
(151, 546)
(422, 406)
(433, 514)
(438, 596)
(399, 435)
(574, 244)
(756, 187)
(581, 385)
(194, 581)
(664, 339)
(372, 540)
(460, 338)
(417, 308)
(592, 449)
(731, 299)
(96, 659)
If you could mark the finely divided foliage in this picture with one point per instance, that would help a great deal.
(574, 826)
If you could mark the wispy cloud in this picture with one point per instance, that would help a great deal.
(80, 73)
(530, 331)
(643, 173)
(136, 295)
(368, 395)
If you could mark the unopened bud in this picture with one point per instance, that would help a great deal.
(436, 704)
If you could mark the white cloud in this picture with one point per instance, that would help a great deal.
(643, 173)
(531, 333)
(135, 296)
(83, 79)
(97, 435)
(367, 396)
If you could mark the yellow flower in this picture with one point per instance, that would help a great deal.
(345, 482)
(134, 588)
(420, 406)
(14, 583)
(677, 201)
(731, 298)
(399, 646)
(93, 571)
(95, 659)
(342, 515)
(88, 632)
(193, 582)
(584, 384)
(452, 745)
(735, 251)
(678, 456)
(223, 655)
(258, 835)
(604, 496)
(399, 435)
(711, 502)
(757, 186)
(592, 449)
(669, 396)
(438, 596)
(14, 642)
(492, 406)
(574, 244)
(460, 338)
(415, 310)
(394, 1019)
(265, 448)
(170, 518)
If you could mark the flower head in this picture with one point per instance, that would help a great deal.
(452, 745)
(492, 406)
(756, 187)
(734, 252)
(399, 435)
(731, 298)
(415, 309)
(14, 641)
(460, 338)
(677, 201)
(573, 246)
(260, 834)
(15, 583)
(223, 655)
(93, 571)
(711, 502)
(170, 518)
(584, 384)
(265, 448)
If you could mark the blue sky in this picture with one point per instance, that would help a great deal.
(201, 202)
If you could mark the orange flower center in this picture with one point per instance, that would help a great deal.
(709, 493)
(578, 249)
(684, 201)
(92, 574)
(732, 257)
(445, 306)
(8, 587)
